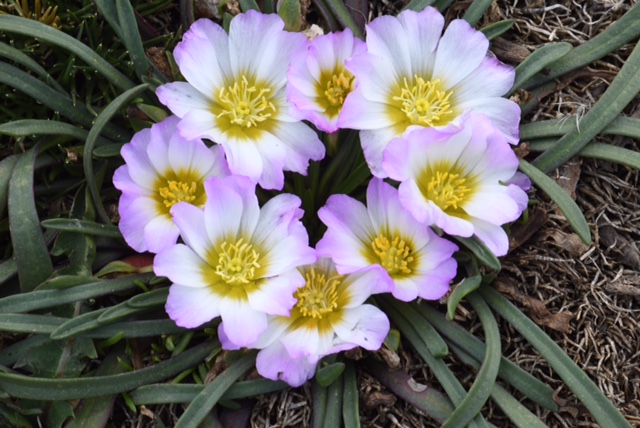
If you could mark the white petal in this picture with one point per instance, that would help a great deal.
(190, 220)
(459, 52)
(203, 56)
(181, 98)
(494, 237)
(191, 307)
(242, 324)
(504, 114)
(423, 32)
(181, 265)
(491, 79)
(365, 326)
(160, 233)
(275, 363)
(275, 295)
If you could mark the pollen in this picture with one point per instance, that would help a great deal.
(338, 87)
(245, 104)
(177, 191)
(424, 102)
(394, 254)
(319, 296)
(447, 190)
(237, 262)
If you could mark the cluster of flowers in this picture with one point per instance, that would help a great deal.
(431, 117)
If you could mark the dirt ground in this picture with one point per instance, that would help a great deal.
(587, 298)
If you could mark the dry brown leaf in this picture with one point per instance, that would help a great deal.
(537, 310)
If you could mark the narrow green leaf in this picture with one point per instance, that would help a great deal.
(480, 250)
(318, 405)
(447, 379)
(467, 286)
(25, 60)
(486, 377)
(77, 325)
(8, 269)
(6, 169)
(47, 34)
(204, 402)
(26, 127)
(65, 281)
(247, 5)
(429, 336)
(131, 39)
(621, 32)
(618, 95)
(17, 351)
(534, 389)
(151, 299)
(607, 152)
(418, 5)
(328, 374)
(35, 388)
(537, 61)
(27, 323)
(42, 92)
(603, 411)
(123, 310)
(428, 400)
(101, 121)
(350, 406)
(567, 205)
(476, 10)
(108, 151)
(497, 28)
(621, 125)
(107, 9)
(165, 393)
(357, 177)
(333, 411)
(131, 329)
(35, 300)
(82, 226)
(29, 248)
(343, 16)
(519, 415)
(97, 411)
(330, 20)
(290, 12)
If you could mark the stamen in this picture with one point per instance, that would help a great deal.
(395, 255)
(446, 189)
(319, 296)
(245, 104)
(177, 191)
(424, 102)
(237, 262)
(338, 87)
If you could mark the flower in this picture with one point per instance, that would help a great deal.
(161, 169)
(459, 181)
(235, 95)
(413, 78)
(416, 261)
(238, 260)
(330, 316)
(318, 82)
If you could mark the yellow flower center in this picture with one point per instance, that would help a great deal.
(424, 102)
(245, 104)
(446, 190)
(319, 296)
(338, 87)
(395, 255)
(177, 191)
(237, 262)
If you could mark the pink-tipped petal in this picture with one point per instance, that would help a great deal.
(191, 307)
